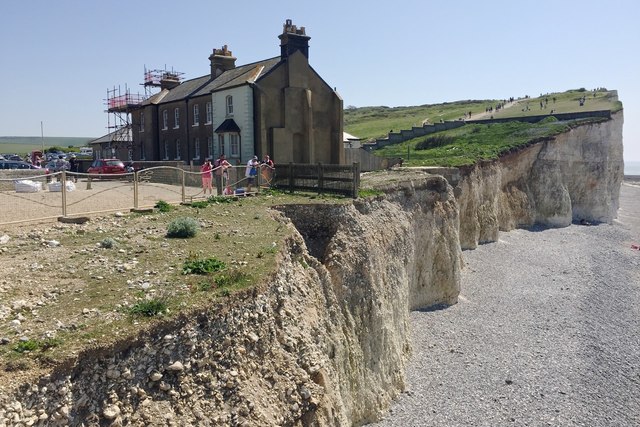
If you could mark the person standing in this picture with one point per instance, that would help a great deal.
(205, 170)
(267, 167)
(222, 174)
(251, 172)
(74, 167)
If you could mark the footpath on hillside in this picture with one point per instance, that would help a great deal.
(545, 333)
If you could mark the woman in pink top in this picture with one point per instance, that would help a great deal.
(206, 169)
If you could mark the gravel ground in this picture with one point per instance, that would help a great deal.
(545, 333)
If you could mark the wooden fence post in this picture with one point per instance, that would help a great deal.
(291, 177)
(320, 178)
(356, 180)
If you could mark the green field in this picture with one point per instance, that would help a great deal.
(473, 142)
(22, 145)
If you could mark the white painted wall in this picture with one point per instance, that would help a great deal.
(242, 115)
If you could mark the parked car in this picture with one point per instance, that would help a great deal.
(14, 164)
(106, 166)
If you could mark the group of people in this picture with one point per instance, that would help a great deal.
(221, 166)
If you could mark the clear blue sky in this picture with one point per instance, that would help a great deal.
(60, 57)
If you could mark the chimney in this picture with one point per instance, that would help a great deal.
(169, 80)
(221, 61)
(292, 39)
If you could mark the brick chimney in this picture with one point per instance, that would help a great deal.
(169, 80)
(292, 39)
(221, 61)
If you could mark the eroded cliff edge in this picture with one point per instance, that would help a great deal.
(574, 176)
(321, 342)
(324, 340)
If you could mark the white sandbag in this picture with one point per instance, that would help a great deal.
(28, 186)
(57, 186)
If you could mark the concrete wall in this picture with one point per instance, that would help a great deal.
(414, 132)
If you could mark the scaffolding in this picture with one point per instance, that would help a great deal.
(154, 79)
(120, 104)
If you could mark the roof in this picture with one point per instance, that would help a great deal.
(238, 76)
(229, 125)
(122, 134)
(204, 85)
(346, 137)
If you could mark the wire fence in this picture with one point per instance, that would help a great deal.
(30, 195)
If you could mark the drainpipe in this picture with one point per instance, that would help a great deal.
(186, 107)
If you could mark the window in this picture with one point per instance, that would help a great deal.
(196, 115)
(141, 121)
(176, 118)
(209, 113)
(130, 154)
(177, 149)
(220, 143)
(210, 147)
(229, 105)
(165, 120)
(196, 148)
(235, 144)
(166, 149)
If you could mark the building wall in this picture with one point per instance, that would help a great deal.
(300, 115)
(202, 130)
(243, 114)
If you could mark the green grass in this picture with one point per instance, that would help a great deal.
(474, 142)
(25, 144)
(375, 122)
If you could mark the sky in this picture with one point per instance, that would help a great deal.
(59, 58)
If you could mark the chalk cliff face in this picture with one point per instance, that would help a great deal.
(574, 176)
(324, 341)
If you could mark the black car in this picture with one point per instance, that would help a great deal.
(11, 164)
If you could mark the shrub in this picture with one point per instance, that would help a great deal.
(108, 243)
(220, 199)
(233, 277)
(435, 141)
(149, 308)
(183, 227)
(163, 206)
(33, 345)
(202, 266)
(200, 204)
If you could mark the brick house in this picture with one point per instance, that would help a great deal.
(278, 106)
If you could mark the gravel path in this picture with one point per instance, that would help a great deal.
(546, 333)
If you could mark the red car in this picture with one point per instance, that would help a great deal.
(106, 166)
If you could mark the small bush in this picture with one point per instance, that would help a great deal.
(163, 206)
(108, 243)
(226, 280)
(149, 308)
(200, 204)
(220, 199)
(202, 266)
(183, 227)
(24, 346)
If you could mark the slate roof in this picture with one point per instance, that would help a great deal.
(229, 125)
(205, 85)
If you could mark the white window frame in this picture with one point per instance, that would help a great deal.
(166, 149)
(209, 109)
(220, 143)
(176, 118)
(142, 121)
(234, 145)
(196, 115)
(196, 148)
(229, 105)
(165, 120)
(178, 149)
(210, 147)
